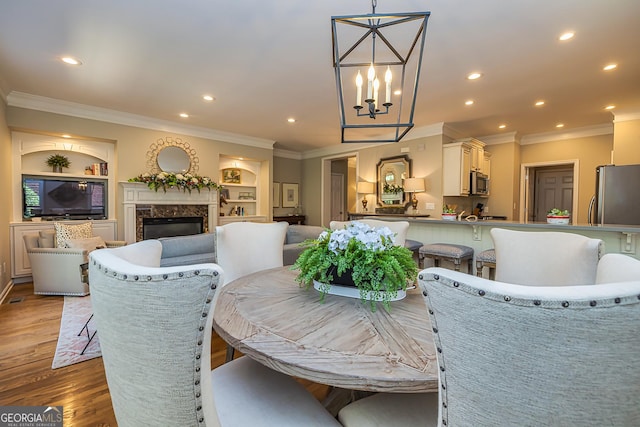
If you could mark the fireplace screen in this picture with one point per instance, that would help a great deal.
(154, 228)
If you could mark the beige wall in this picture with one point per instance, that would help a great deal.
(132, 144)
(626, 142)
(289, 171)
(505, 173)
(589, 151)
(5, 196)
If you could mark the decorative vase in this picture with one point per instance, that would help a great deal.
(344, 286)
(562, 220)
(57, 168)
(449, 216)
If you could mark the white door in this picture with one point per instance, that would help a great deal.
(337, 197)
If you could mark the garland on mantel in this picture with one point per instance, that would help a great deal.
(184, 182)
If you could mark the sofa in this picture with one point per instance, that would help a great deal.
(297, 234)
(201, 248)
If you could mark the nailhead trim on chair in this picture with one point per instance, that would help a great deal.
(200, 338)
(577, 305)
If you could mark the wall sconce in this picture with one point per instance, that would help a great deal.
(414, 185)
(365, 188)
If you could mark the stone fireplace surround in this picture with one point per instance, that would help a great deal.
(140, 202)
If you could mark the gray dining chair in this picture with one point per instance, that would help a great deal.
(155, 325)
(514, 355)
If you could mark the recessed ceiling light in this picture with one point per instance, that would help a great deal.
(566, 36)
(469, 102)
(208, 98)
(184, 115)
(610, 67)
(502, 126)
(66, 135)
(70, 60)
(397, 92)
(474, 76)
(560, 125)
(539, 103)
(609, 107)
(291, 120)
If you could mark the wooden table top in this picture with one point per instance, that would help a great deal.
(340, 342)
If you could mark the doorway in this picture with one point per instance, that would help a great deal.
(548, 185)
(338, 187)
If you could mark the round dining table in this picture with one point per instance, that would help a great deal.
(339, 342)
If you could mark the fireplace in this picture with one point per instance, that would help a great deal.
(139, 203)
(155, 228)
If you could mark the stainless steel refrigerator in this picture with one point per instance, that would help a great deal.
(617, 198)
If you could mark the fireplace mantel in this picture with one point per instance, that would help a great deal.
(137, 193)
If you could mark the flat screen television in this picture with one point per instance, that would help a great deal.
(63, 198)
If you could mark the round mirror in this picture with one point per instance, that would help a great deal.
(174, 160)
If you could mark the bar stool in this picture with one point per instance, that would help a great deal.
(486, 258)
(448, 252)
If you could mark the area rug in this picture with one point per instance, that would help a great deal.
(75, 313)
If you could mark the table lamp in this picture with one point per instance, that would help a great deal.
(414, 185)
(365, 188)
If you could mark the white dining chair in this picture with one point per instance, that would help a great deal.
(514, 355)
(246, 247)
(155, 325)
(617, 268)
(548, 257)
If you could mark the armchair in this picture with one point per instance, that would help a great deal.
(58, 271)
(513, 355)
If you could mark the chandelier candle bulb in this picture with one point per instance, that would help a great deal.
(376, 87)
(359, 89)
(387, 80)
(371, 74)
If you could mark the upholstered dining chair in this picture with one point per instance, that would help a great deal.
(155, 328)
(617, 268)
(246, 247)
(549, 257)
(514, 355)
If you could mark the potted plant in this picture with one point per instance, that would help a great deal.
(448, 213)
(364, 255)
(57, 162)
(558, 216)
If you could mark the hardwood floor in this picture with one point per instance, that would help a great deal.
(28, 337)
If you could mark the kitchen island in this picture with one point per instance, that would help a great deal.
(476, 234)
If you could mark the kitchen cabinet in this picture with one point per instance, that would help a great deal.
(460, 158)
(456, 169)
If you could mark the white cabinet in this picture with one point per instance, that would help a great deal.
(20, 266)
(251, 218)
(460, 158)
(456, 169)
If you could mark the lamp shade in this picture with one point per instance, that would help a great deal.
(365, 187)
(413, 185)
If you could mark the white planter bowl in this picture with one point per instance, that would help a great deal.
(558, 220)
(449, 217)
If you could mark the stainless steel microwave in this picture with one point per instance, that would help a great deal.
(479, 184)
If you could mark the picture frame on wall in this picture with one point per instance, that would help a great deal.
(289, 195)
(276, 194)
(231, 176)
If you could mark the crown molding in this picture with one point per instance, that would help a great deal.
(625, 116)
(50, 105)
(595, 130)
(502, 138)
(287, 154)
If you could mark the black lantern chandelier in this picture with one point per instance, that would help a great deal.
(372, 51)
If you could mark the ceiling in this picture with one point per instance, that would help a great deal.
(266, 61)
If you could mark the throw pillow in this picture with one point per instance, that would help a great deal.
(65, 232)
(90, 244)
